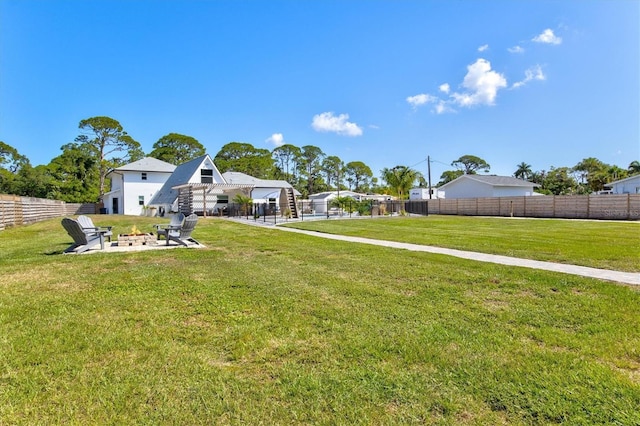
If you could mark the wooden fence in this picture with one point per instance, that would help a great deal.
(609, 206)
(16, 210)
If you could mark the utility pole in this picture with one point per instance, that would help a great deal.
(429, 173)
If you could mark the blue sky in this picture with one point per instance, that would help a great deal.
(383, 82)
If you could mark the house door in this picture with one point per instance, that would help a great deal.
(114, 206)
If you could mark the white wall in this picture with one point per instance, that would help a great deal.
(511, 191)
(630, 186)
(208, 165)
(136, 187)
(467, 188)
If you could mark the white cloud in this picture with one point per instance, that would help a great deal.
(516, 49)
(548, 37)
(534, 73)
(327, 122)
(442, 107)
(482, 84)
(421, 99)
(276, 139)
(483, 48)
(444, 88)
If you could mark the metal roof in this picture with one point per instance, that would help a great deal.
(494, 180)
(181, 175)
(147, 164)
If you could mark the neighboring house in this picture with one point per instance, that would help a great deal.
(320, 202)
(418, 194)
(134, 184)
(200, 170)
(630, 185)
(480, 186)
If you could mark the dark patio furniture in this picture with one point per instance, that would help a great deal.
(175, 223)
(182, 234)
(87, 225)
(83, 239)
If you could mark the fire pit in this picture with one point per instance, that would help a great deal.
(136, 238)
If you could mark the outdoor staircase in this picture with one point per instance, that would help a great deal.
(291, 201)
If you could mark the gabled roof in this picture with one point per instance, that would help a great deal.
(493, 181)
(630, 178)
(245, 179)
(181, 175)
(327, 194)
(147, 164)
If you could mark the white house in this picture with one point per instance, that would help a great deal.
(155, 184)
(200, 170)
(264, 190)
(480, 186)
(134, 184)
(418, 194)
(320, 202)
(630, 185)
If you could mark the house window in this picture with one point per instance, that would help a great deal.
(144, 175)
(272, 203)
(206, 176)
(141, 200)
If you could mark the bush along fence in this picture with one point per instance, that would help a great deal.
(16, 210)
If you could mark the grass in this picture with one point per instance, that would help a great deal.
(268, 327)
(598, 244)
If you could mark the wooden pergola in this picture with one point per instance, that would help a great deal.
(187, 191)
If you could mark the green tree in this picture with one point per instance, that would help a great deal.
(244, 201)
(245, 158)
(333, 168)
(559, 181)
(400, 179)
(33, 182)
(287, 158)
(105, 138)
(359, 175)
(634, 167)
(74, 175)
(11, 162)
(449, 175)
(591, 172)
(176, 149)
(470, 164)
(523, 171)
(311, 165)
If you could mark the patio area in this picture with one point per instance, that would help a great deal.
(114, 247)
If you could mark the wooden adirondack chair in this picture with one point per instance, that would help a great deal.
(83, 239)
(183, 234)
(175, 224)
(87, 224)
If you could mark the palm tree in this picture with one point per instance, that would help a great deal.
(400, 179)
(634, 167)
(524, 171)
(245, 202)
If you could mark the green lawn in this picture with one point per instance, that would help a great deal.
(270, 327)
(598, 244)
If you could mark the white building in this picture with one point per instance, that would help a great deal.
(630, 185)
(418, 194)
(134, 185)
(320, 202)
(155, 185)
(275, 193)
(481, 186)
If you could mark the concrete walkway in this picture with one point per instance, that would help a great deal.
(632, 278)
